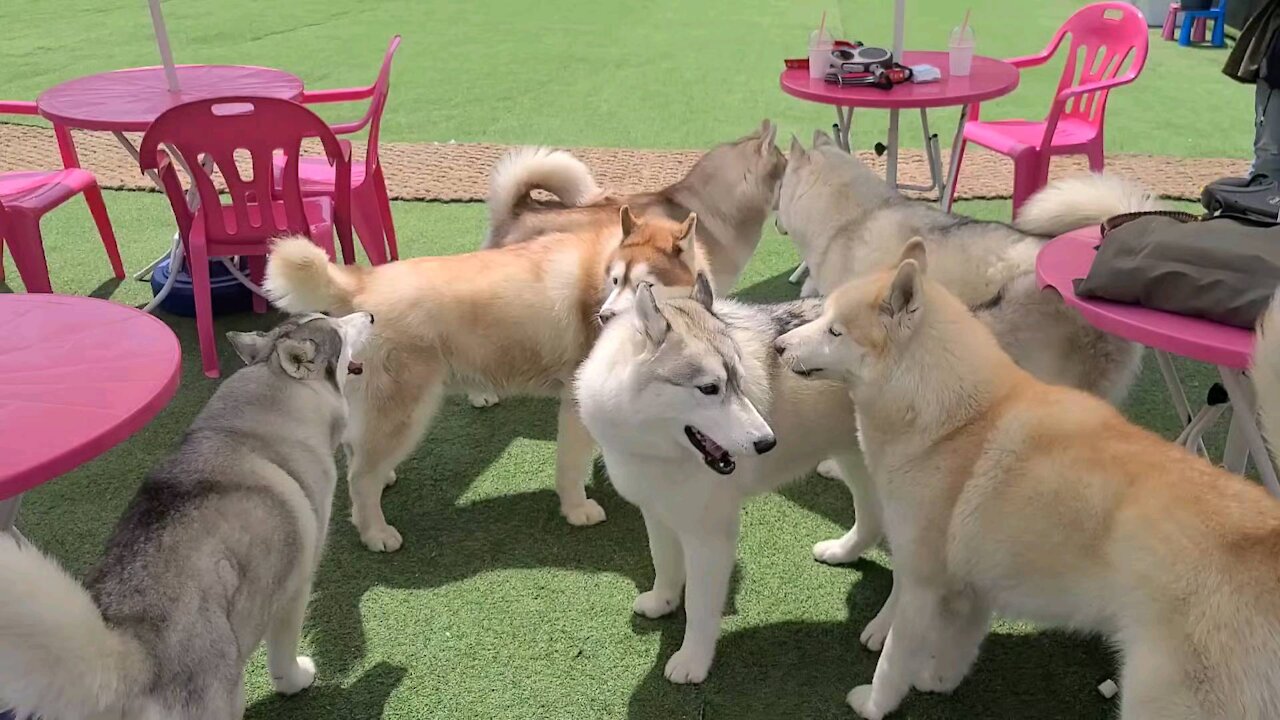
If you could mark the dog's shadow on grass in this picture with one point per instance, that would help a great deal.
(449, 537)
(805, 669)
(363, 699)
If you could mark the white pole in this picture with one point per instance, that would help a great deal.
(899, 26)
(162, 41)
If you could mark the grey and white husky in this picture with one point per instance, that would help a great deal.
(846, 222)
(694, 414)
(215, 553)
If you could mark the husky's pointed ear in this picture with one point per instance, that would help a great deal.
(902, 305)
(797, 153)
(686, 233)
(821, 138)
(768, 135)
(252, 347)
(914, 250)
(702, 291)
(628, 220)
(649, 319)
(297, 357)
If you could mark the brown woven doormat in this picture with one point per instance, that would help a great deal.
(459, 172)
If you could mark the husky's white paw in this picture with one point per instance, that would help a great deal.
(588, 513)
(391, 479)
(859, 699)
(383, 538)
(835, 552)
(297, 679)
(874, 634)
(830, 469)
(482, 399)
(688, 667)
(653, 604)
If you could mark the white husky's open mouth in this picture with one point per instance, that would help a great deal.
(716, 457)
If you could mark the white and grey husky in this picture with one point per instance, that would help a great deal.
(846, 222)
(215, 553)
(694, 414)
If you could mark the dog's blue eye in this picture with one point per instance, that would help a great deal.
(709, 389)
(834, 332)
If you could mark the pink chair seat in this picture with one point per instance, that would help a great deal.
(1008, 137)
(318, 211)
(39, 191)
(1067, 258)
(317, 175)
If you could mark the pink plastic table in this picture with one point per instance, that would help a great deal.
(77, 376)
(130, 100)
(1067, 258)
(989, 78)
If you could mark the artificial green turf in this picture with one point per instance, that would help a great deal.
(641, 75)
(496, 608)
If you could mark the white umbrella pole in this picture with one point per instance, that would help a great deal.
(899, 23)
(162, 41)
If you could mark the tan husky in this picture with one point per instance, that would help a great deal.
(516, 320)
(1003, 494)
(732, 189)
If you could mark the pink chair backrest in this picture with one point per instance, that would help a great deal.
(213, 131)
(381, 89)
(1106, 37)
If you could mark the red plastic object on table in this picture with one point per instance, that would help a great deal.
(259, 210)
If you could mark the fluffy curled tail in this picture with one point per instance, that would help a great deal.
(1074, 202)
(300, 278)
(1266, 375)
(58, 659)
(535, 168)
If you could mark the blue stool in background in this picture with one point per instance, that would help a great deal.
(1217, 14)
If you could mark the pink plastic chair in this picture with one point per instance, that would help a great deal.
(1069, 257)
(370, 203)
(1103, 37)
(206, 134)
(25, 197)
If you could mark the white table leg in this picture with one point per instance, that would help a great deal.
(1244, 416)
(9, 516)
(891, 157)
(953, 168)
(1177, 395)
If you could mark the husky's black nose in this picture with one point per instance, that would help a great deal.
(764, 445)
(779, 348)
(370, 318)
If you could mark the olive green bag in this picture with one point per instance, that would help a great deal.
(1217, 268)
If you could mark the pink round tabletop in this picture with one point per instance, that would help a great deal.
(988, 78)
(1067, 258)
(129, 100)
(77, 376)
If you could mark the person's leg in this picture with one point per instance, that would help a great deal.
(1266, 137)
